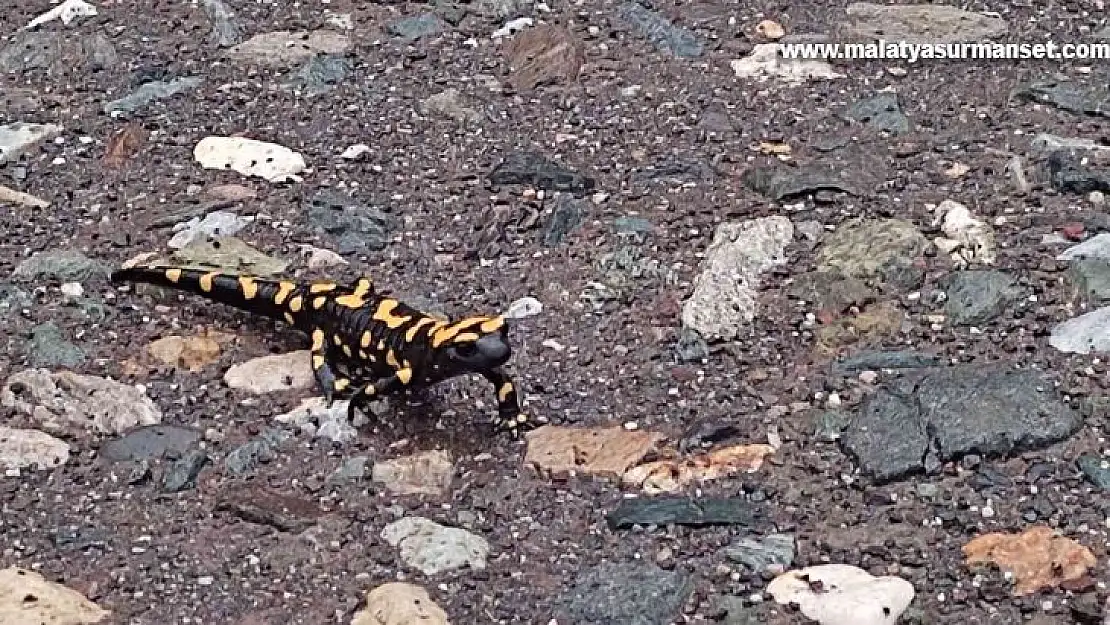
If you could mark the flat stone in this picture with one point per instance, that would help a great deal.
(539, 172)
(875, 360)
(285, 48)
(930, 23)
(61, 265)
(938, 415)
(1096, 468)
(660, 31)
(214, 224)
(244, 458)
(71, 402)
(625, 593)
(150, 92)
(871, 249)
(762, 552)
(1094, 248)
(399, 603)
(1091, 280)
(276, 372)
(425, 473)
(880, 112)
(182, 474)
(354, 227)
(150, 442)
(18, 138)
(21, 448)
(1084, 334)
(49, 348)
(433, 548)
(979, 297)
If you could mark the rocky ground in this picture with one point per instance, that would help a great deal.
(815, 343)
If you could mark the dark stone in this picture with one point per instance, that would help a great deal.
(677, 172)
(150, 442)
(49, 348)
(413, 28)
(1091, 278)
(828, 425)
(880, 112)
(978, 297)
(876, 360)
(942, 414)
(628, 593)
(831, 291)
(244, 458)
(567, 216)
(779, 183)
(354, 227)
(690, 346)
(759, 553)
(684, 511)
(183, 473)
(536, 170)
(1069, 96)
(285, 513)
(80, 538)
(1092, 467)
(321, 74)
(660, 31)
(1069, 176)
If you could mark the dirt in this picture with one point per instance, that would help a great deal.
(431, 173)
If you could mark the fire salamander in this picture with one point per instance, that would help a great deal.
(364, 344)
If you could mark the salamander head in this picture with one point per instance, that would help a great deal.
(474, 344)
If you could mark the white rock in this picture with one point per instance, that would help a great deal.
(319, 258)
(355, 151)
(276, 372)
(72, 290)
(217, 223)
(512, 27)
(250, 157)
(9, 195)
(1083, 334)
(524, 307)
(426, 473)
(283, 48)
(765, 62)
(433, 548)
(314, 418)
(969, 240)
(66, 12)
(31, 448)
(75, 403)
(19, 137)
(1097, 246)
(848, 595)
(724, 297)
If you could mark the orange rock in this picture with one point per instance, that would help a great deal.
(596, 451)
(1037, 558)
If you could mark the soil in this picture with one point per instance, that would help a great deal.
(146, 550)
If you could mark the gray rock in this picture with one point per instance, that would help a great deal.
(978, 297)
(758, 554)
(684, 511)
(150, 442)
(1096, 468)
(875, 360)
(780, 183)
(214, 224)
(1083, 334)
(226, 31)
(568, 215)
(321, 74)
(17, 138)
(942, 414)
(690, 346)
(183, 473)
(13, 300)
(433, 548)
(1091, 280)
(30, 50)
(49, 348)
(828, 425)
(625, 593)
(921, 23)
(831, 291)
(351, 470)
(1069, 175)
(355, 228)
(660, 31)
(448, 104)
(61, 265)
(413, 28)
(880, 112)
(1094, 248)
(243, 459)
(725, 297)
(151, 91)
(1068, 96)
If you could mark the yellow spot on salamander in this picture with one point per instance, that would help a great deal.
(317, 361)
(248, 286)
(290, 320)
(356, 299)
(285, 289)
(404, 375)
(366, 339)
(321, 287)
(410, 335)
(318, 302)
(338, 340)
(467, 337)
(173, 275)
(205, 281)
(492, 325)
(505, 390)
(317, 340)
(347, 350)
(295, 304)
(385, 314)
(341, 384)
(363, 355)
(391, 360)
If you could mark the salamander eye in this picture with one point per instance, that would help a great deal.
(466, 350)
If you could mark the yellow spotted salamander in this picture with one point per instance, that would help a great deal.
(364, 344)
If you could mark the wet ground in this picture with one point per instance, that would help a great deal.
(647, 153)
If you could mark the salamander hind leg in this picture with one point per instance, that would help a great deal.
(369, 391)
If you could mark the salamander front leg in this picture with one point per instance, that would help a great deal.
(509, 417)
